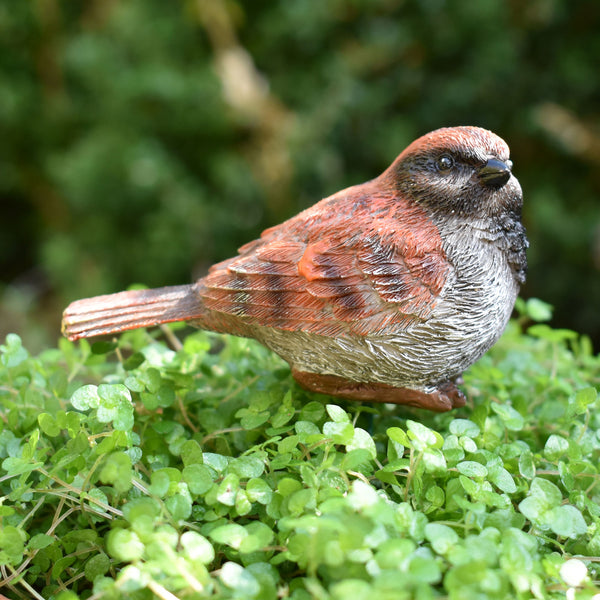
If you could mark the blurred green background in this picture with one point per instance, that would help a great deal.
(143, 140)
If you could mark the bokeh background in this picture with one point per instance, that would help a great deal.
(143, 140)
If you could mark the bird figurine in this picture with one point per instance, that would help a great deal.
(383, 292)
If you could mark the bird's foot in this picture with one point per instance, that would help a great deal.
(446, 397)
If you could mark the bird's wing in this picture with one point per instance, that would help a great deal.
(374, 280)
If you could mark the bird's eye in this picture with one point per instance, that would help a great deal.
(444, 163)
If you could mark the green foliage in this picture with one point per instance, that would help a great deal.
(130, 470)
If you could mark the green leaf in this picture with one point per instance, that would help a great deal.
(103, 347)
(250, 420)
(227, 489)
(161, 482)
(59, 567)
(130, 579)
(113, 394)
(117, 470)
(583, 399)
(423, 437)
(552, 335)
(144, 508)
(180, 506)
(472, 469)
(424, 570)
(512, 419)
(284, 413)
(441, 537)
(357, 589)
(341, 432)
(124, 545)
(540, 503)
(113, 404)
(288, 486)
(566, 477)
(435, 495)
(301, 500)
(534, 508)
(260, 536)
(545, 490)
(151, 379)
(197, 547)
(288, 444)
(67, 595)
(312, 412)
(133, 362)
(231, 534)
(134, 384)
(198, 478)
(261, 401)
(362, 495)
(191, 453)
(356, 459)
(393, 552)
(196, 343)
(258, 490)
(48, 424)
(96, 566)
(236, 577)
(165, 396)
(555, 447)
(574, 573)
(434, 461)
(306, 429)
(399, 436)
(85, 397)
(123, 419)
(362, 440)
(537, 310)
(19, 466)
(502, 479)
(526, 465)
(40, 541)
(243, 506)
(217, 461)
(12, 545)
(13, 354)
(247, 466)
(464, 427)
(566, 521)
(337, 414)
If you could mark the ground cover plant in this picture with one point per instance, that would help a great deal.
(153, 468)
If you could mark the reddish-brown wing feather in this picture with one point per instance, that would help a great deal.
(374, 263)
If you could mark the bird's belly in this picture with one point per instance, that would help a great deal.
(468, 318)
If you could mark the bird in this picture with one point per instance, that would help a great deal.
(386, 291)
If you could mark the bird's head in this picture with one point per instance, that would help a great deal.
(462, 171)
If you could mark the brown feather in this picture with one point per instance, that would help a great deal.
(118, 312)
(324, 267)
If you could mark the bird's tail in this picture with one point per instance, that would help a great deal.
(133, 309)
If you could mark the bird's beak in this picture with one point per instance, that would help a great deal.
(494, 173)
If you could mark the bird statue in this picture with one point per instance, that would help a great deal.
(383, 292)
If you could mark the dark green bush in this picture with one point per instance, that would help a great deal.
(144, 140)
